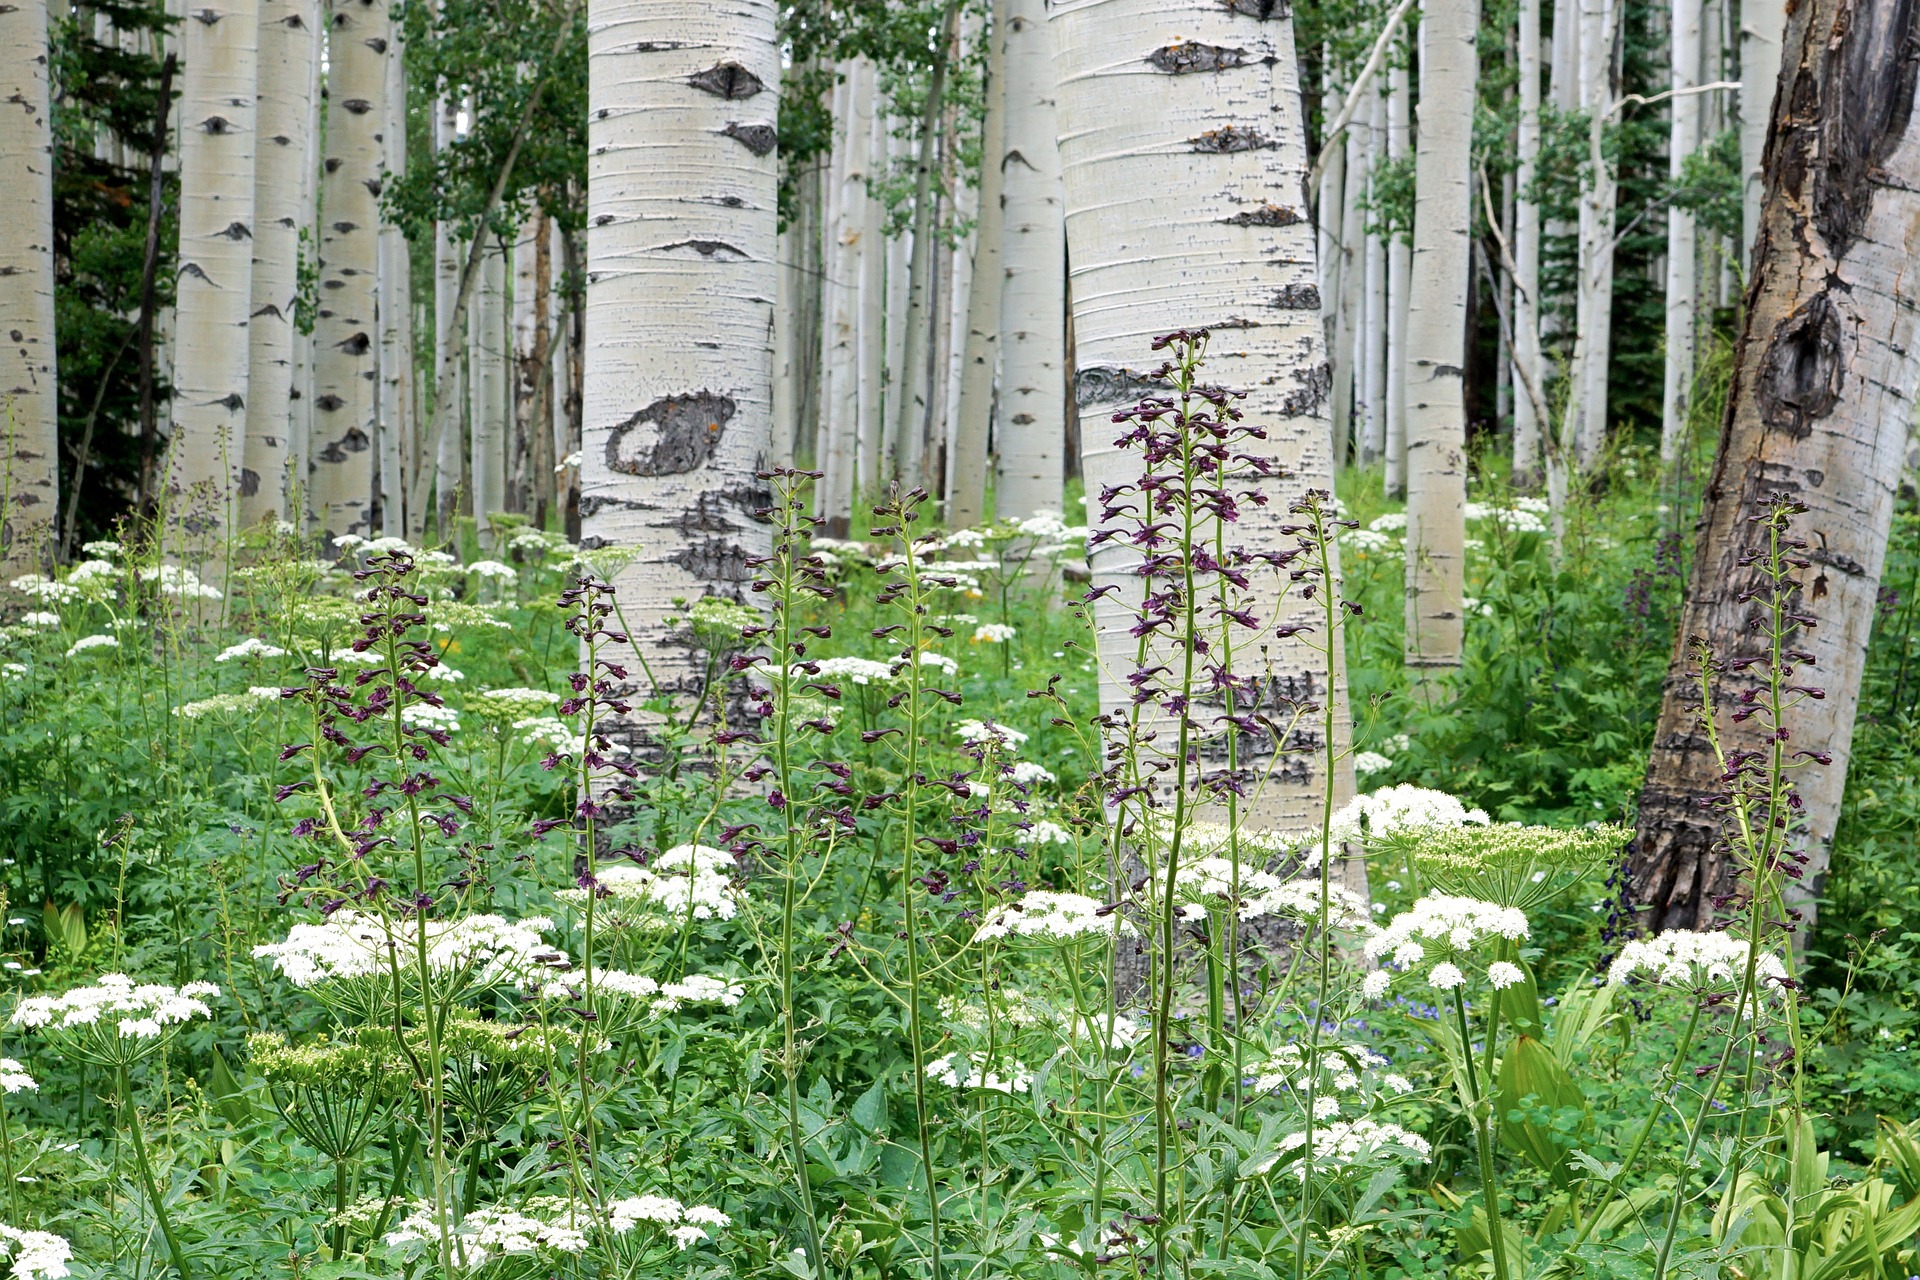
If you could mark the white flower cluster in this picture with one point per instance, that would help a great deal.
(40, 620)
(938, 661)
(1694, 961)
(1366, 541)
(1208, 884)
(993, 633)
(856, 670)
(105, 547)
(1453, 923)
(92, 577)
(1028, 774)
(224, 703)
(490, 1232)
(1391, 522)
(957, 1070)
(1349, 1142)
(1371, 762)
(14, 1077)
(45, 589)
(688, 879)
(549, 732)
(1392, 809)
(1052, 917)
(445, 674)
(972, 731)
(667, 997)
(183, 583)
(422, 715)
(493, 570)
(350, 944)
(36, 1255)
(512, 703)
(1345, 1068)
(685, 1223)
(85, 643)
(1044, 832)
(372, 546)
(1522, 517)
(140, 1011)
(250, 648)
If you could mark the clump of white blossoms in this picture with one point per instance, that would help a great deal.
(1207, 884)
(1053, 917)
(225, 703)
(116, 1022)
(249, 648)
(40, 620)
(423, 715)
(35, 1255)
(1391, 809)
(42, 588)
(685, 1223)
(993, 633)
(1344, 1143)
(85, 643)
(488, 1233)
(1344, 1068)
(970, 1071)
(512, 703)
(661, 997)
(493, 570)
(1371, 762)
(854, 670)
(181, 583)
(1026, 773)
(351, 945)
(687, 880)
(14, 1077)
(988, 731)
(1694, 961)
(1453, 925)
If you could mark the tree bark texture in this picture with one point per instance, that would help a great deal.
(1436, 340)
(1682, 236)
(1762, 24)
(1822, 397)
(1526, 255)
(282, 155)
(346, 402)
(397, 427)
(1184, 151)
(490, 392)
(1033, 321)
(214, 292)
(1399, 285)
(681, 224)
(29, 402)
(980, 357)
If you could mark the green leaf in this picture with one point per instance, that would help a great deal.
(229, 1095)
(1534, 1093)
(870, 1109)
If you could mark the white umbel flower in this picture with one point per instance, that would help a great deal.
(1052, 917)
(35, 1255)
(1694, 961)
(350, 944)
(1503, 975)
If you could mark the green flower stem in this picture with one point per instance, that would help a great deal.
(1482, 1131)
(175, 1252)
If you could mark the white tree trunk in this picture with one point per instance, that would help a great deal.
(879, 454)
(1528, 370)
(1436, 341)
(1399, 286)
(846, 247)
(1593, 344)
(1350, 313)
(1682, 241)
(1373, 329)
(397, 427)
(1033, 321)
(282, 155)
(875, 301)
(960, 285)
(300, 449)
(1183, 148)
(489, 390)
(974, 414)
(448, 255)
(346, 355)
(565, 432)
(29, 402)
(215, 291)
(1329, 207)
(680, 281)
(1762, 23)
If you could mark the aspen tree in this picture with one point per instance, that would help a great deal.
(1825, 376)
(29, 402)
(1399, 286)
(1436, 342)
(1682, 240)
(214, 293)
(1183, 149)
(1033, 322)
(846, 248)
(489, 390)
(974, 414)
(398, 448)
(681, 224)
(1526, 253)
(346, 356)
(1762, 25)
(1372, 340)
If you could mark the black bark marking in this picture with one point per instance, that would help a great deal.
(1803, 370)
(1109, 384)
(378, 44)
(355, 441)
(1297, 297)
(193, 269)
(1190, 55)
(249, 482)
(356, 106)
(1234, 322)
(332, 163)
(1267, 215)
(715, 560)
(231, 402)
(216, 124)
(268, 310)
(681, 432)
(237, 231)
(757, 138)
(1316, 384)
(1230, 138)
(1862, 99)
(1022, 419)
(657, 46)
(707, 248)
(328, 402)
(207, 17)
(357, 344)
(1258, 10)
(1448, 371)
(729, 80)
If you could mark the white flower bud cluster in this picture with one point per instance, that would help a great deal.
(182, 583)
(510, 704)
(251, 647)
(1052, 917)
(14, 1077)
(1344, 1068)
(1392, 809)
(139, 1011)
(488, 1233)
(351, 944)
(686, 1223)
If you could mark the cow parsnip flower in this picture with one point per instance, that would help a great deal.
(1047, 916)
(972, 1071)
(116, 1022)
(1455, 926)
(1698, 962)
(1344, 1144)
(35, 1255)
(1513, 865)
(688, 881)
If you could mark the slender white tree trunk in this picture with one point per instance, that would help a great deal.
(875, 303)
(397, 427)
(1399, 286)
(448, 254)
(283, 153)
(1593, 344)
(974, 414)
(29, 401)
(1373, 331)
(680, 281)
(346, 354)
(565, 431)
(1682, 241)
(1349, 377)
(899, 257)
(1762, 24)
(489, 391)
(846, 248)
(1033, 321)
(1436, 342)
(1526, 255)
(215, 290)
(300, 448)
(1184, 150)
(1330, 207)
(960, 285)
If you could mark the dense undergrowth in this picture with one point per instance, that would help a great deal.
(746, 1040)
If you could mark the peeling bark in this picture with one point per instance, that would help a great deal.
(1823, 392)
